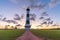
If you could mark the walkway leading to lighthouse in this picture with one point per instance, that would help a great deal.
(29, 36)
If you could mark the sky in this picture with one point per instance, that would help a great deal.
(8, 9)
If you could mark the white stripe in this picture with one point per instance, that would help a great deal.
(27, 24)
(28, 18)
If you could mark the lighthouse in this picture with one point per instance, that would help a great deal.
(27, 25)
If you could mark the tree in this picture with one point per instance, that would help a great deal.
(12, 27)
(6, 26)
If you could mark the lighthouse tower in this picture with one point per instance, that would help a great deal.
(27, 25)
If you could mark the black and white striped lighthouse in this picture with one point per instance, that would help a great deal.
(27, 25)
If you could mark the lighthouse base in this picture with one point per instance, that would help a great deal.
(27, 29)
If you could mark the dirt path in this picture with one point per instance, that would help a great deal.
(28, 36)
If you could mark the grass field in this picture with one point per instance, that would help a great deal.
(10, 34)
(51, 34)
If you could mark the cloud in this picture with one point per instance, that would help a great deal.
(11, 21)
(36, 3)
(51, 22)
(39, 26)
(41, 18)
(17, 17)
(1, 17)
(30, 3)
(55, 25)
(14, 1)
(44, 23)
(53, 3)
(18, 25)
(33, 17)
(40, 6)
(4, 19)
(22, 16)
(48, 19)
(8, 21)
(44, 14)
